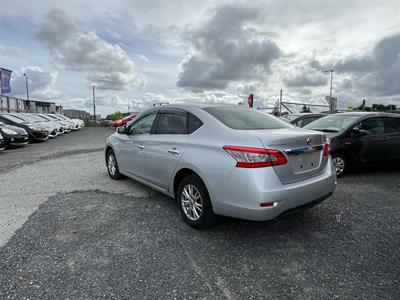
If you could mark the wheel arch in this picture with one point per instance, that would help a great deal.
(182, 173)
(107, 150)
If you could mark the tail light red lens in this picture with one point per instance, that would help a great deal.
(326, 149)
(247, 157)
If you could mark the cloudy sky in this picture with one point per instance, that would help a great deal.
(141, 52)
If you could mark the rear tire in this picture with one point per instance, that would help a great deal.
(341, 164)
(194, 202)
(112, 166)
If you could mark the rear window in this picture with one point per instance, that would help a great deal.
(245, 118)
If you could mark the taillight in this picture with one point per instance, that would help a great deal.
(247, 157)
(326, 149)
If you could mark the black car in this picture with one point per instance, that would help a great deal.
(13, 135)
(358, 138)
(301, 119)
(35, 132)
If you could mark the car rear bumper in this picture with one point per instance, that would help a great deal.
(246, 189)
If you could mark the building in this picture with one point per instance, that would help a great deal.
(76, 114)
(12, 104)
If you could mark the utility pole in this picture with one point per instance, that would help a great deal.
(280, 103)
(94, 107)
(27, 91)
(330, 92)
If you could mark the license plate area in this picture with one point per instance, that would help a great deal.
(305, 162)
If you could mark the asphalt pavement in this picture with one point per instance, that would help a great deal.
(67, 231)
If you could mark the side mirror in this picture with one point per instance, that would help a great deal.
(121, 130)
(358, 133)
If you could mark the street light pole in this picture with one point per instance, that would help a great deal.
(330, 91)
(27, 90)
(94, 106)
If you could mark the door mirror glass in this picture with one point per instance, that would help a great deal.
(121, 130)
(356, 132)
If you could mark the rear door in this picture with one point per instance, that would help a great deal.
(392, 138)
(164, 148)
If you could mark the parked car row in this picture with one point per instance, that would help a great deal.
(356, 138)
(18, 129)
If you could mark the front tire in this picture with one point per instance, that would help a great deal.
(112, 166)
(194, 203)
(341, 164)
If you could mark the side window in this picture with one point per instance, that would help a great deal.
(371, 126)
(194, 123)
(393, 125)
(172, 123)
(143, 126)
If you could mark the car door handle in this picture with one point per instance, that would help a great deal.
(140, 146)
(173, 151)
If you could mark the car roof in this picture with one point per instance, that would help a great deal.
(306, 114)
(369, 113)
(196, 104)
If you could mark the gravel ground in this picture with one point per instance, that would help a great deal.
(69, 232)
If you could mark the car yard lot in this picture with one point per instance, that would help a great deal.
(68, 231)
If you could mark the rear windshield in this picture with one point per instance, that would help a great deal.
(333, 123)
(245, 118)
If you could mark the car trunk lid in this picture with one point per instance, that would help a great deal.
(302, 148)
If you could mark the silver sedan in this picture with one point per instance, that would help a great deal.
(223, 160)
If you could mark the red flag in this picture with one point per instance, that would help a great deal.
(250, 100)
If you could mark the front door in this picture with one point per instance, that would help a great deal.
(131, 146)
(164, 148)
(370, 139)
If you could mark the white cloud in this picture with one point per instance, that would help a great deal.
(74, 48)
(41, 83)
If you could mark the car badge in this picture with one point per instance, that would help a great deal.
(309, 141)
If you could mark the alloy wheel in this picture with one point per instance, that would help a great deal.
(191, 201)
(112, 164)
(340, 165)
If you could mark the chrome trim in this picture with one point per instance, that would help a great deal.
(301, 150)
(173, 151)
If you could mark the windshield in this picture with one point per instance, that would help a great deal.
(45, 118)
(333, 123)
(14, 119)
(288, 118)
(245, 118)
(26, 118)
